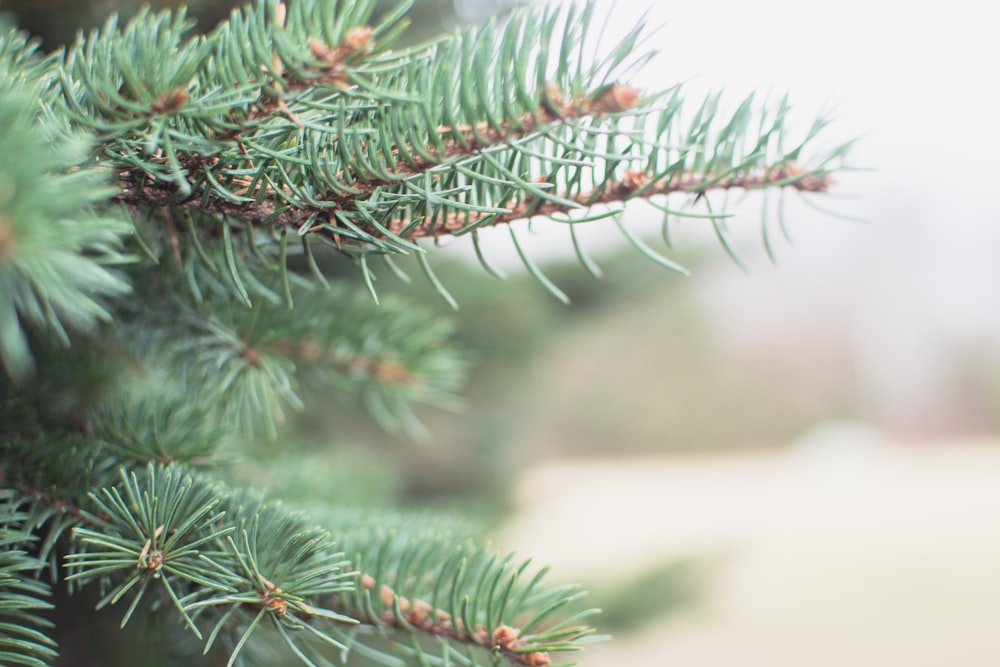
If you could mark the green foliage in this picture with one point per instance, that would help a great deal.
(137, 428)
(57, 250)
(169, 205)
(420, 579)
(148, 531)
(23, 638)
(228, 561)
(251, 363)
(307, 121)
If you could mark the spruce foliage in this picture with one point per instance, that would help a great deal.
(167, 200)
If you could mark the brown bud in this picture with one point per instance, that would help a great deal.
(388, 371)
(387, 595)
(504, 636)
(417, 616)
(536, 659)
(252, 356)
(310, 350)
(170, 101)
(359, 38)
(155, 561)
(278, 605)
(322, 51)
(634, 179)
(619, 97)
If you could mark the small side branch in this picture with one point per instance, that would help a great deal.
(632, 186)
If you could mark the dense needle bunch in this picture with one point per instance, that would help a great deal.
(168, 202)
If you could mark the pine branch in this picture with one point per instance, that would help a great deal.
(23, 638)
(232, 565)
(57, 468)
(252, 366)
(302, 123)
(751, 175)
(633, 185)
(57, 251)
(475, 585)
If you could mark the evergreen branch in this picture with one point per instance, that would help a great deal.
(139, 428)
(57, 253)
(153, 530)
(414, 580)
(275, 571)
(167, 534)
(371, 118)
(54, 470)
(308, 123)
(232, 565)
(633, 185)
(262, 362)
(20, 65)
(57, 471)
(57, 461)
(23, 638)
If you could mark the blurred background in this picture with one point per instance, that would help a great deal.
(793, 465)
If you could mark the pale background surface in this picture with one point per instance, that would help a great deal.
(859, 546)
(866, 557)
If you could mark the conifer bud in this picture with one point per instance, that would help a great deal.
(615, 99)
(359, 39)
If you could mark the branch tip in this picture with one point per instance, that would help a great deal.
(422, 616)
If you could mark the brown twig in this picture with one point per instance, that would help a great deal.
(618, 191)
(614, 191)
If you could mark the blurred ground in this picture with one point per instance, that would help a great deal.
(844, 549)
